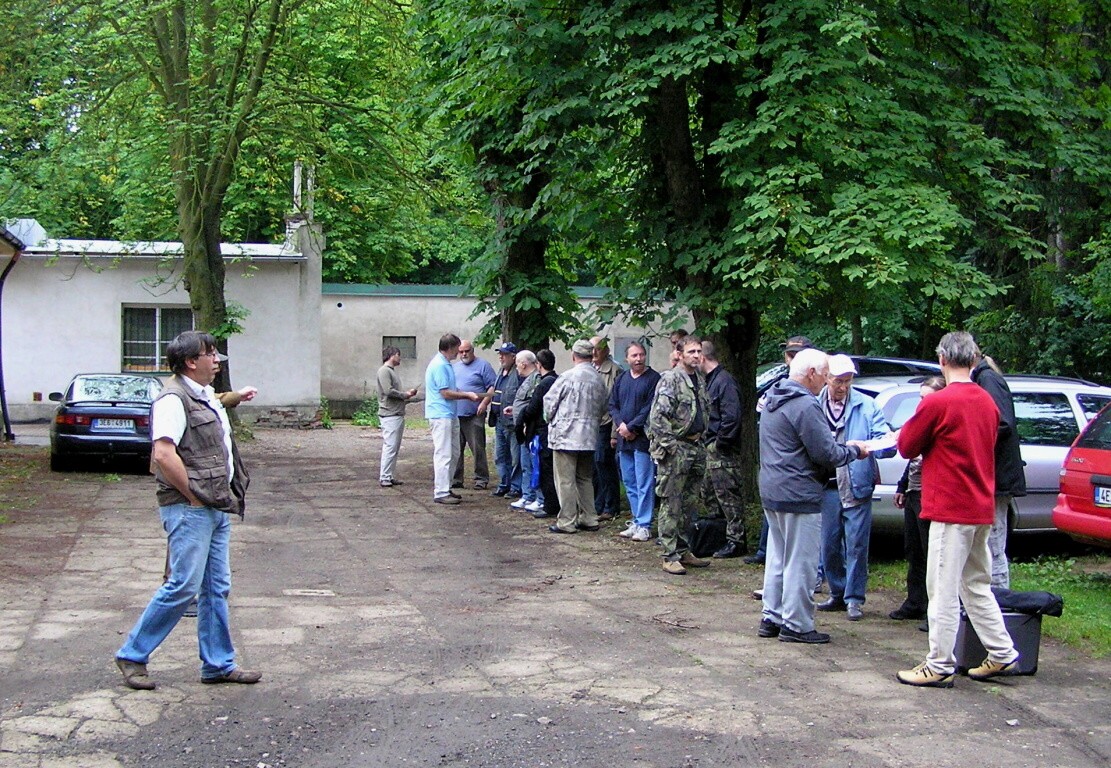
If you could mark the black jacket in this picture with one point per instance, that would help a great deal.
(1010, 480)
(532, 415)
(725, 410)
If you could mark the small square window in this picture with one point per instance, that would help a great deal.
(407, 345)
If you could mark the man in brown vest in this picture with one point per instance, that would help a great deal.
(201, 481)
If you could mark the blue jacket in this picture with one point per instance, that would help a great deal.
(863, 421)
(796, 450)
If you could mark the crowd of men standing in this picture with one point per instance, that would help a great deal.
(566, 443)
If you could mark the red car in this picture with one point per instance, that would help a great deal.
(1083, 508)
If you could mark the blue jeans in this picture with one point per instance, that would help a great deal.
(529, 492)
(639, 475)
(845, 535)
(507, 458)
(199, 567)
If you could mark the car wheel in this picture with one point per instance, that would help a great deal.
(59, 463)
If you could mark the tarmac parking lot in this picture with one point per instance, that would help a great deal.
(394, 632)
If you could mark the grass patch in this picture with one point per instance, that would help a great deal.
(18, 464)
(367, 414)
(1084, 581)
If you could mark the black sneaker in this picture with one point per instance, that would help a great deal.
(812, 637)
(730, 549)
(458, 484)
(903, 613)
(754, 559)
(512, 495)
(768, 628)
(499, 491)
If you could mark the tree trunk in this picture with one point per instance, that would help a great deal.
(686, 183)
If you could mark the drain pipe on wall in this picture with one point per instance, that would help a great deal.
(17, 250)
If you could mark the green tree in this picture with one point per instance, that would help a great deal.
(845, 160)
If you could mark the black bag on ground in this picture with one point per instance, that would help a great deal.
(1030, 603)
(707, 535)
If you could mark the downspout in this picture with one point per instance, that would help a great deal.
(9, 436)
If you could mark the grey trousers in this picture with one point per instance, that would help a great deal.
(794, 548)
(997, 544)
(472, 433)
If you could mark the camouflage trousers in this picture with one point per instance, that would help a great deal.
(722, 490)
(678, 479)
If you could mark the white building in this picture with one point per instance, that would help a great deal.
(357, 321)
(94, 306)
(90, 306)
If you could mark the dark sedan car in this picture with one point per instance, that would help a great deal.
(102, 416)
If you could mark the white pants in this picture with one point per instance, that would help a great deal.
(958, 570)
(392, 429)
(445, 452)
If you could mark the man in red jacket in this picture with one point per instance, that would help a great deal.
(954, 431)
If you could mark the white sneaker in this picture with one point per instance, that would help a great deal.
(629, 531)
(518, 504)
(640, 534)
(534, 506)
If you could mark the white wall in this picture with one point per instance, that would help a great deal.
(353, 320)
(63, 316)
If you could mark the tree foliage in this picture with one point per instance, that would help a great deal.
(336, 97)
(795, 162)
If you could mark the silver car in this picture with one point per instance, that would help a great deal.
(1050, 412)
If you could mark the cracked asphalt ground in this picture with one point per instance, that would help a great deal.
(395, 632)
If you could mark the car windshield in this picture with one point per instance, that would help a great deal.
(771, 373)
(129, 389)
(1098, 434)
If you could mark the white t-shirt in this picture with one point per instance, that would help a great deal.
(168, 418)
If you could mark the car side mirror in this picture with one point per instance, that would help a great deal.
(55, 396)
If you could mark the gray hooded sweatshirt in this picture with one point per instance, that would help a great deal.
(796, 450)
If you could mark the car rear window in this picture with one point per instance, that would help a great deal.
(901, 407)
(1045, 418)
(130, 389)
(1092, 404)
(1098, 433)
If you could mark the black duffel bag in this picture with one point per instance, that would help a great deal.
(1030, 603)
(707, 535)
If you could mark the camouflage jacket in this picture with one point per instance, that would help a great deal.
(673, 411)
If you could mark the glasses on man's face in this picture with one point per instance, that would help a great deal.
(466, 351)
(213, 354)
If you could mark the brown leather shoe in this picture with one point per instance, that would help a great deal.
(691, 561)
(674, 567)
(135, 675)
(237, 675)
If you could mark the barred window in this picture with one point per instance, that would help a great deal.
(146, 333)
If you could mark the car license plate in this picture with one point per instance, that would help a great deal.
(1103, 496)
(113, 423)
